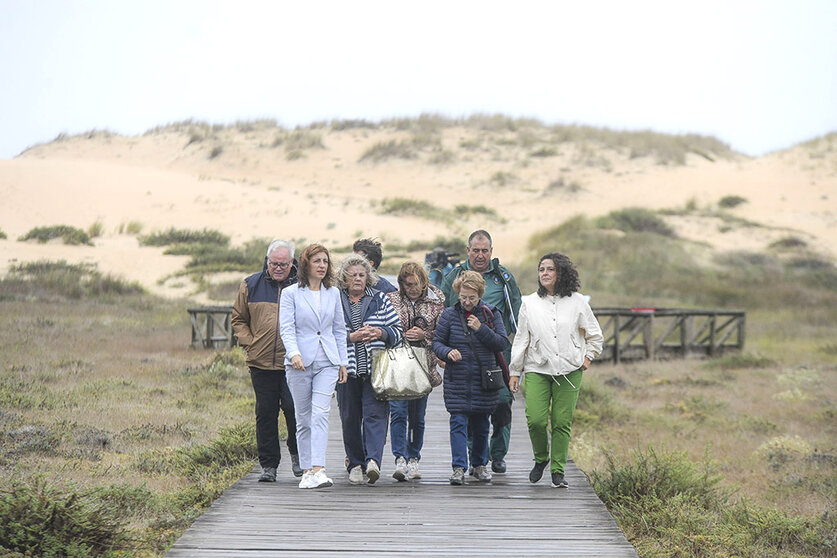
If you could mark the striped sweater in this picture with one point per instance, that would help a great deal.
(377, 312)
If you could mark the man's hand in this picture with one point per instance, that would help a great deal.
(342, 375)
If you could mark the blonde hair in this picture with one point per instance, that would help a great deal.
(470, 280)
(350, 261)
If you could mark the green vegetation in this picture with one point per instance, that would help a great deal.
(48, 279)
(184, 236)
(728, 202)
(391, 149)
(70, 235)
(131, 227)
(216, 151)
(669, 505)
(2, 235)
(95, 230)
(179, 428)
(415, 208)
(635, 219)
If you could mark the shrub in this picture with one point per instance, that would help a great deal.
(131, 227)
(216, 151)
(789, 242)
(417, 208)
(63, 279)
(96, 229)
(184, 236)
(544, 152)
(467, 210)
(70, 235)
(300, 140)
(635, 219)
(391, 149)
(2, 235)
(728, 202)
(42, 520)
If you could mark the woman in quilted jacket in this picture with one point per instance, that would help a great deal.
(467, 338)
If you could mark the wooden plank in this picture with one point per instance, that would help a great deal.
(429, 517)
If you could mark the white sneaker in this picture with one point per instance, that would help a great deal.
(356, 475)
(373, 472)
(321, 480)
(413, 470)
(401, 472)
(307, 479)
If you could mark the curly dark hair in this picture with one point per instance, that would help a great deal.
(567, 275)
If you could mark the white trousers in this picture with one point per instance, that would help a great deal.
(312, 389)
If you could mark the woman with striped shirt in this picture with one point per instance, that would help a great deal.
(372, 324)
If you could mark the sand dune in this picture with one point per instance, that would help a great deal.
(251, 189)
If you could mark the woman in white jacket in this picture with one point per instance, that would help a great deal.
(557, 338)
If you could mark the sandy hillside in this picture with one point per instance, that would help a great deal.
(326, 184)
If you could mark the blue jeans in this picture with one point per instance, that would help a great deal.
(406, 427)
(459, 439)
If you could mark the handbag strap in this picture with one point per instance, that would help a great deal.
(423, 366)
(468, 335)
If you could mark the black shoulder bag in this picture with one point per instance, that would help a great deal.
(492, 376)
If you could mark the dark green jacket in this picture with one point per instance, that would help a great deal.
(500, 290)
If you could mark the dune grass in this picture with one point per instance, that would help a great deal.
(69, 235)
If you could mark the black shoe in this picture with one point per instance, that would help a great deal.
(268, 474)
(498, 465)
(558, 481)
(295, 465)
(537, 471)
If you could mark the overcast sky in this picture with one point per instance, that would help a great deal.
(759, 75)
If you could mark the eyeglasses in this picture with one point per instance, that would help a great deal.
(280, 265)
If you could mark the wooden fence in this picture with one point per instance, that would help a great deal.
(630, 333)
(211, 328)
(664, 333)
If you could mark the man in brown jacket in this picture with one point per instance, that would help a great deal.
(255, 321)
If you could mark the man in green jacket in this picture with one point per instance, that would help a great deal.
(501, 291)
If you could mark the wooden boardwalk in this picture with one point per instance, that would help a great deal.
(429, 517)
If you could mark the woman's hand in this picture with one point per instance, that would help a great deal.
(474, 322)
(514, 384)
(454, 355)
(371, 333)
(296, 362)
(356, 336)
(586, 364)
(342, 375)
(415, 333)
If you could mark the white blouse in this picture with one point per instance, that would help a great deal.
(554, 334)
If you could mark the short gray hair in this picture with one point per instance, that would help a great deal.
(350, 261)
(276, 244)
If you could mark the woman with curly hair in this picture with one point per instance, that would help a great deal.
(557, 338)
(371, 325)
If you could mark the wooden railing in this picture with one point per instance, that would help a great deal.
(629, 333)
(665, 333)
(211, 328)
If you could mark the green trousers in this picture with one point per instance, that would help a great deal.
(550, 403)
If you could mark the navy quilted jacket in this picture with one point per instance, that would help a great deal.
(463, 379)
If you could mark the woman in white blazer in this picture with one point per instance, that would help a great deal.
(314, 334)
(557, 338)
